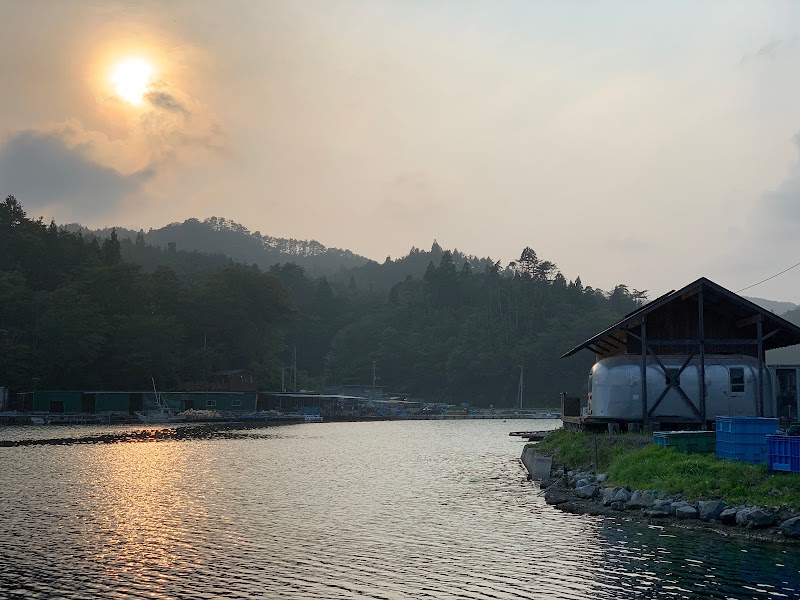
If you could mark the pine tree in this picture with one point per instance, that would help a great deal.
(112, 254)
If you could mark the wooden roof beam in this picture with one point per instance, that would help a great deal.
(749, 321)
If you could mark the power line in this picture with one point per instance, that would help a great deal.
(768, 278)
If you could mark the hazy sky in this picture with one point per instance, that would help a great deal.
(647, 143)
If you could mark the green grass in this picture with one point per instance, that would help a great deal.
(633, 460)
(576, 450)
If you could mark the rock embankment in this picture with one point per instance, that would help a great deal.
(585, 493)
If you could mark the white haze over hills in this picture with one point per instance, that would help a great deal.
(776, 306)
(196, 235)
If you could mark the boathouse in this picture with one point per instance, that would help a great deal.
(236, 380)
(123, 403)
(684, 359)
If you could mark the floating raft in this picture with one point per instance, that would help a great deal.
(533, 436)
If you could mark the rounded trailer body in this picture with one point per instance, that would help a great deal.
(615, 388)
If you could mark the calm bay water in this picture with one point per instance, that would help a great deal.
(389, 510)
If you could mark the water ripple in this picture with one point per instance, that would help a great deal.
(429, 510)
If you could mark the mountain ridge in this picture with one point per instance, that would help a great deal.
(218, 235)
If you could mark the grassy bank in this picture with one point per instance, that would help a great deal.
(631, 459)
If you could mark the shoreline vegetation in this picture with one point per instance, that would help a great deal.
(698, 491)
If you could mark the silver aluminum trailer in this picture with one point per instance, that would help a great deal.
(615, 388)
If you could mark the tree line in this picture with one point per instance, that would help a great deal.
(78, 312)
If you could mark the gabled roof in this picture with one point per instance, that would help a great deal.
(738, 307)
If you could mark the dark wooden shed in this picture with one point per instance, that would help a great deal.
(236, 380)
(700, 319)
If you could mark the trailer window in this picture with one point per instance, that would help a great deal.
(737, 380)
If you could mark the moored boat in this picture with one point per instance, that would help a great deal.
(163, 412)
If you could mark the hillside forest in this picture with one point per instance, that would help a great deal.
(83, 311)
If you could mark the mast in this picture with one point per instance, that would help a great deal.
(520, 388)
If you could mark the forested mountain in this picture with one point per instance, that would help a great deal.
(779, 308)
(78, 313)
(790, 355)
(463, 334)
(382, 276)
(74, 315)
(217, 235)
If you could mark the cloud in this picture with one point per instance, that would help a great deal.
(166, 101)
(408, 197)
(42, 170)
(69, 169)
(781, 208)
(626, 244)
(772, 50)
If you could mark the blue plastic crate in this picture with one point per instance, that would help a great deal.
(754, 454)
(783, 453)
(749, 425)
(744, 438)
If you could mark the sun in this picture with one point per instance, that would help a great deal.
(131, 79)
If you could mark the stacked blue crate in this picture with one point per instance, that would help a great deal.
(744, 438)
(783, 453)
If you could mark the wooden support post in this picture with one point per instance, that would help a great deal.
(760, 336)
(701, 331)
(644, 370)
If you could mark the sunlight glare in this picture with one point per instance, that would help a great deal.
(131, 80)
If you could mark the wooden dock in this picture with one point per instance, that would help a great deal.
(532, 436)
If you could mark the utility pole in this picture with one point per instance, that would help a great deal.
(374, 372)
(294, 366)
(519, 389)
(205, 361)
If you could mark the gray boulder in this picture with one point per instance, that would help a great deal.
(741, 516)
(662, 506)
(687, 512)
(759, 518)
(711, 510)
(635, 501)
(582, 482)
(784, 514)
(649, 498)
(601, 477)
(642, 499)
(791, 527)
(675, 506)
(608, 496)
(622, 495)
(657, 513)
(587, 491)
(557, 495)
(728, 516)
(617, 505)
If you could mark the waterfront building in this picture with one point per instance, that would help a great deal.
(683, 359)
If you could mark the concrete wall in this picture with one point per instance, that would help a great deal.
(538, 465)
